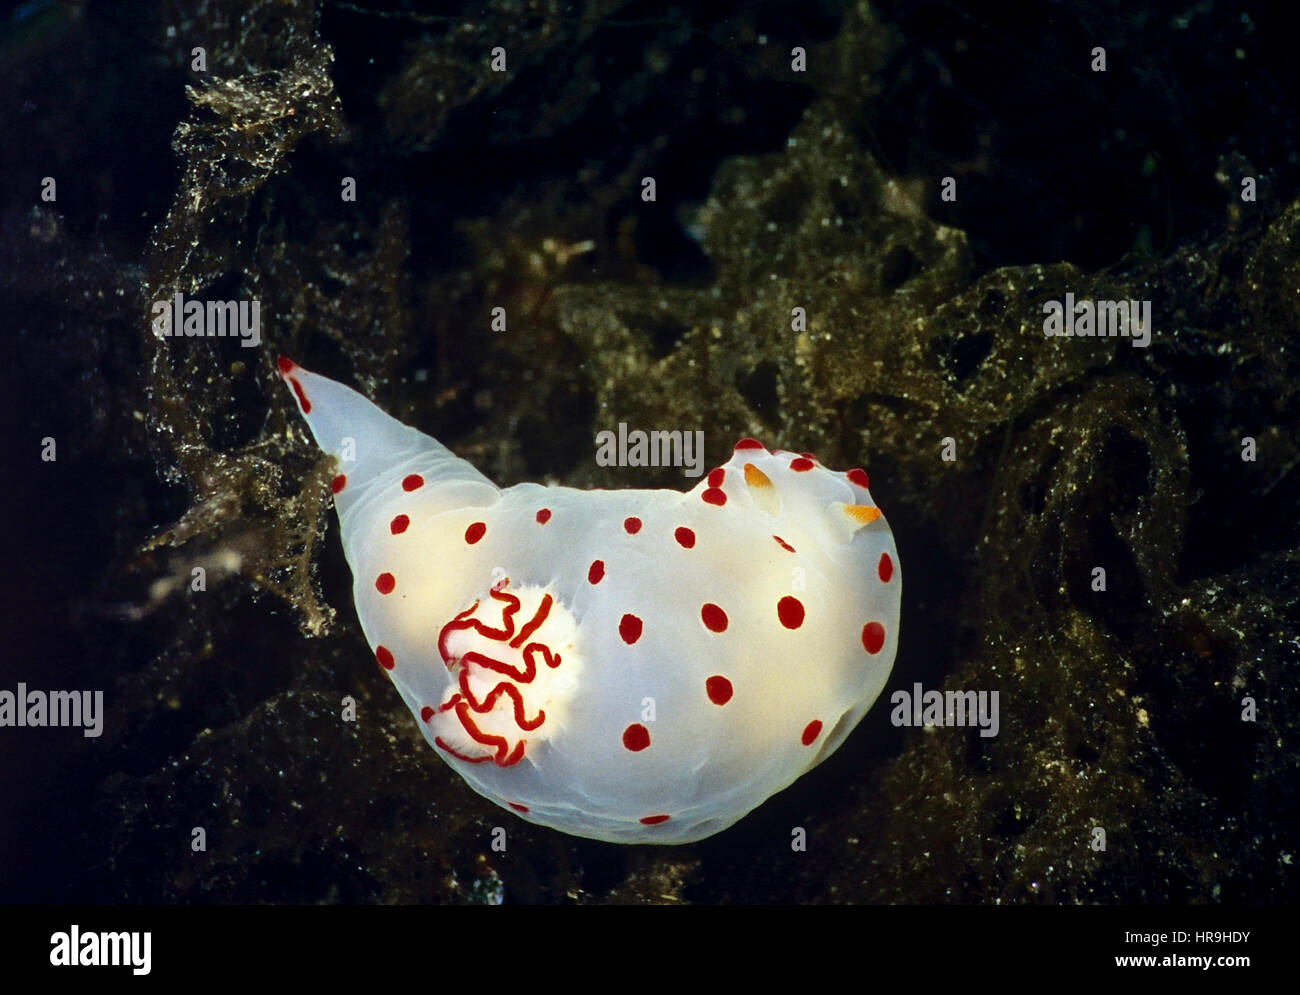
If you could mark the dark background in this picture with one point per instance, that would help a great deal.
(222, 706)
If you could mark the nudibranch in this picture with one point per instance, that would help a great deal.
(637, 666)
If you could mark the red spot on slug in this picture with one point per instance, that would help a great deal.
(801, 465)
(475, 532)
(636, 737)
(284, 364)
(685, 537)
(790, 611)
(302, 397)
(716, 476)
(629, 627)
(714, 496)
(399, 525)
(859, 476)
(811, 731)
(885, 568)
(412, 482)
(426, 713)
(714, 618)
(339, 482)
(385, 583)
(543, 516)
(596, 571)
(654, 820)
(719, 690)
(517, 807)
(385, 657)
(632, 525)
(873, 637)
(749, 444)
(784, 545)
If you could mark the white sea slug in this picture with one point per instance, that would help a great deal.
(638, 666)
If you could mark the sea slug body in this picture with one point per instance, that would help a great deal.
(637, 666)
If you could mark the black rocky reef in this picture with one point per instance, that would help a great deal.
(1121, 710)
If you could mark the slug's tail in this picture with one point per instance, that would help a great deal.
(371, 447)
